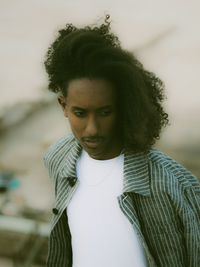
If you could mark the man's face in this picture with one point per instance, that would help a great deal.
(91, 109)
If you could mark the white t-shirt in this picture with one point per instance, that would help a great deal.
(101, 234)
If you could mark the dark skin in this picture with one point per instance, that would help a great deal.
(91, 108)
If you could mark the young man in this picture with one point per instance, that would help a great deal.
(119, 203)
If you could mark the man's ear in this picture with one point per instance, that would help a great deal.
(63, 104)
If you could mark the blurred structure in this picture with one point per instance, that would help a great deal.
(162, 35)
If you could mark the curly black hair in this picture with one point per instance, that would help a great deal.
(95, 52)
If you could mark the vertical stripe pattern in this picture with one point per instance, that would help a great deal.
(160, 198)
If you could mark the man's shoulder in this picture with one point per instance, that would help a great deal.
(167, 171)
(59, 148)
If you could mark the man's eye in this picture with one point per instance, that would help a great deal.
(105, 112)
(79, 113)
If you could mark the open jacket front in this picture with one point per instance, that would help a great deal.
(160, 198)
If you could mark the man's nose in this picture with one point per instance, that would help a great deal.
(91, 127)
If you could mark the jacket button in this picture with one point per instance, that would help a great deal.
(55, 211)
(72, 181)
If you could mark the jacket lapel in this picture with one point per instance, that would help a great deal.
(63, 187)
(136, 180)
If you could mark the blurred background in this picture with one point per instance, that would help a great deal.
(164, 35)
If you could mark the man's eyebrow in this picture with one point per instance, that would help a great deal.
(100, 108)
(79, 108)
(105, 107)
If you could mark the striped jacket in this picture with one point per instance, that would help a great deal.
(160, 198)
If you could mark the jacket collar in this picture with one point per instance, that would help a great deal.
(136, 176)
(68, 168)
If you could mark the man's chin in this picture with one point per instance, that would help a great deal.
(95, 153)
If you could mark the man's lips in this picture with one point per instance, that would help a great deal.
(92, 143)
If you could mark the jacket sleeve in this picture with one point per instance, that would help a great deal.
(190, 215)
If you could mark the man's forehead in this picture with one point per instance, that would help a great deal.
(84, 92)
(87, 103)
